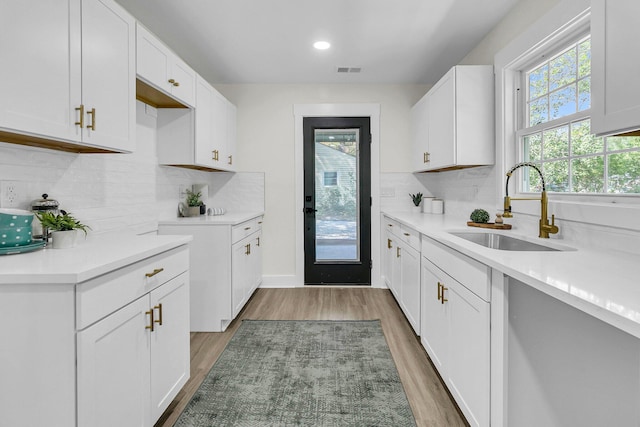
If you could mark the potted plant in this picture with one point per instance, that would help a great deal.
(63, 227)
(417, 199)
(193, 203)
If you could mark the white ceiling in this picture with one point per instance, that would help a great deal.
(270, 41)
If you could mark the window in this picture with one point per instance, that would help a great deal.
(556, 131)
(330, 179)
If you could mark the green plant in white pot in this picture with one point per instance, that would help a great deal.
(64, 228)
(416, 199)
(193, 203)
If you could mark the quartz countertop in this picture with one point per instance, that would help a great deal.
(604, 284)
(92, 257)
(229, 218)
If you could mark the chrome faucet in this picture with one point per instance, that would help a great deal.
(544, 227)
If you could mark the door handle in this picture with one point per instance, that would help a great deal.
(310, 210)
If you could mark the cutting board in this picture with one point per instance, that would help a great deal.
(489, 225)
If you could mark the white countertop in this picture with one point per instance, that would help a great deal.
(91, 257)
(230, 218)
(605, 285)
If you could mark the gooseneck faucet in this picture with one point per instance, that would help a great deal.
(544, 227)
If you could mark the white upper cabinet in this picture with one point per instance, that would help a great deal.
(198, 138)
(453, 124)
(75, 89)
(108, 70)
(615, 91)
(159, 67)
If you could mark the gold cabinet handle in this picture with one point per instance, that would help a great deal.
(398, 252)
(173, 82)
(247, 228)
(156, 271)
(389, 244)
(443, 299)
(150, 325)
(258, 239)
(231, 159)
(407, 234)
(92, 113)
(247, 249)
(159, 319)
(81, 110)
(439, 291)
(390, 225)
(426, 156)
(176, 84)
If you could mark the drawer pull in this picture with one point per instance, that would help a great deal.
(247, 228)
(389, 244)
(258, 239)
(439, 291)
(155, 271)
(247, 249)
(407, 234)
(390, 225)
(259, 222)
(150, 325)
(398, 252)
(159, 320)
(443, 299)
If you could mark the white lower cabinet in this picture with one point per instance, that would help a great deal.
(455, 333)
(401, 268)
(135, 359)
(226, 268)
(246, 275)
(113, 369)
(85, 354)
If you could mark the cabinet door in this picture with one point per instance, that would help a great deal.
(615, 66)
(232, 114)
(239, 275)
(468, 356)
(170, 354)
(219, 129)
(396, 269)
(410, 292)
(205, 153)
(153, 59)
(420, 135)
(184, 85)
(113, 369)
(256, 263)
(441, 122)
(434, 331)
(108, 75)
(40, 79)
(387, 257)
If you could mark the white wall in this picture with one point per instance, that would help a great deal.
(266, 143)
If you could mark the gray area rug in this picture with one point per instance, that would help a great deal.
(302, 373)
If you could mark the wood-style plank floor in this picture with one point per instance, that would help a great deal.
(431, 404)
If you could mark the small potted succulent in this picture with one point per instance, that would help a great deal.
(417, 199)
(193, 203)
(63, 226)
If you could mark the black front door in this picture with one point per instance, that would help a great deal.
(337, 194)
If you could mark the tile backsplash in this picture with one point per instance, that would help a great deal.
(120, 192)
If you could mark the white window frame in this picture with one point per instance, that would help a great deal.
(567, 21)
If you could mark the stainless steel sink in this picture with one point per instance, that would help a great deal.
(502, 242)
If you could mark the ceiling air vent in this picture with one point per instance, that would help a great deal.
(349, 69)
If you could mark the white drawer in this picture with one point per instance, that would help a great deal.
(472, 274)
(102, 296)
(240, 231)
(410, 236)
(392, 225)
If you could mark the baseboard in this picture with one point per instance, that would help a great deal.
(288, 281)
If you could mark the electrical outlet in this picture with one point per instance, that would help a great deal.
(8, 194)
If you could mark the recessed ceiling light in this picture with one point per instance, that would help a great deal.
(322, 45)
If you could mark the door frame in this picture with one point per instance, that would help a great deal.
(372, 111)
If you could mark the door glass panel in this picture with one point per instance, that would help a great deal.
(336, 195)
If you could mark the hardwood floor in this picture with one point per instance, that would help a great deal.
(431, 404)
